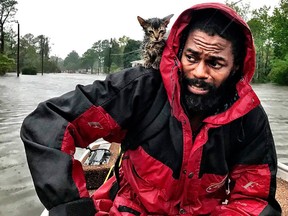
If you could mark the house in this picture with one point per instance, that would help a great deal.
(137, 63)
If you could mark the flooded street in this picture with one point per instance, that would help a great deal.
(275, 102)
(20, 96)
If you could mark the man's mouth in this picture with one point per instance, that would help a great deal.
(197, 90)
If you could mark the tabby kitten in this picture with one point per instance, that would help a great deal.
(154, 39)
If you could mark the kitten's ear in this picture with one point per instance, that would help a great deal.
(167, 19)
(142, 21)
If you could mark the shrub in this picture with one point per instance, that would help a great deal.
(279, 72)
(6, 64)
(29, 71)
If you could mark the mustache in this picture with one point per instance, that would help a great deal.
(199, 83)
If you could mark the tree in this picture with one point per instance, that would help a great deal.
(72, 61)
(88, 59)
(260, 25)
(6, 64)
(99, 61)
(279, 72)
(43, 51)
(131, 52)
(10, 43)
(280, 29)
(43, 45)
(28, 52)
(116, 55)
(123, 42)
(7, 13)
(107, 45)
(34, 53)
(242, 9)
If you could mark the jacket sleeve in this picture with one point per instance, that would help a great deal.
(76, 119)
(254, 165)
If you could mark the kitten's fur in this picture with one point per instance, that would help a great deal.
(154, 40)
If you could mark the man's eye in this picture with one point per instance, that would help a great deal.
(191, 58)
(215, 64)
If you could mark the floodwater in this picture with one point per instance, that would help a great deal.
(20, 96)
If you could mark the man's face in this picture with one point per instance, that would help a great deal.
(207, 62)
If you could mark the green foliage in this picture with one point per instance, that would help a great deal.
(33, 50)
(51, 66)
(28, 52)
(99, 56)
(116, 54)
(107, 46)
(114, 67)
(132, 52)
(260, 25)
(280, 29)
(10, 43)
(29, 71)
(105, 56)
(7, 13)
(279, 72)
(6, 64)
(243, 9)
(72, 61)
(88, 59)
(269, 30)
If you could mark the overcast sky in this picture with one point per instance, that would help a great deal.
(76, 25)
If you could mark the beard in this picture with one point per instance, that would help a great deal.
(210, 103)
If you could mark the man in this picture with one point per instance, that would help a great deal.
(196, 139)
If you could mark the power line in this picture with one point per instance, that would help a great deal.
(236, 3)
(134, 51)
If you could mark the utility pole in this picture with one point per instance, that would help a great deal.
(109, 56)
(18, 50)
(42, 54)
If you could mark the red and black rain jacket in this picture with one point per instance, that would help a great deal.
(165, 171)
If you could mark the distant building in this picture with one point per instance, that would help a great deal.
(137, 63)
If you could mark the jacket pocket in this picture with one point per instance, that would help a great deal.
(127, 206)
(129, 210)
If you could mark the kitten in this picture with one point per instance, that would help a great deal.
(154, 39)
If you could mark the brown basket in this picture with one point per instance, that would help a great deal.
(96, 174)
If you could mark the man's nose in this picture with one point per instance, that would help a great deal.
(201, 70)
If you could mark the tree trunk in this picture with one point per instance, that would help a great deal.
(2, 38)
(91, 66)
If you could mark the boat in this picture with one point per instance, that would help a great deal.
(99, 157)
(98, 161)
(282, 187)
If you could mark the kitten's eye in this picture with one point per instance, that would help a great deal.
(150, 31)
(162, 32)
